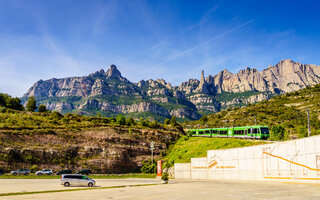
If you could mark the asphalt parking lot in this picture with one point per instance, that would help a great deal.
(31, 185)
(175, 190)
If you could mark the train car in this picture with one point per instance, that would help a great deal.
(247, 132)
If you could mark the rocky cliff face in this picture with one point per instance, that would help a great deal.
(104, 150)
(109, 93)
(286, 76)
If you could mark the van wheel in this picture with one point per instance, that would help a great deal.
(90, 184)
(66, 184)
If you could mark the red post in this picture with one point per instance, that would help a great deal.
(159, 168)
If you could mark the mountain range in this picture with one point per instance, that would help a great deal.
(109, 93)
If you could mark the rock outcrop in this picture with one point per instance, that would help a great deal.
(103, 149)
(110, 93)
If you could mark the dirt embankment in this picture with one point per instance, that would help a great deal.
(105, 150)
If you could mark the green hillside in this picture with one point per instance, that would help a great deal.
(48, 139)
(189, 147)
(286, 111)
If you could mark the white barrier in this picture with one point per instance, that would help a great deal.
(295, 161)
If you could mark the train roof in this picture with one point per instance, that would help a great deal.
(253, 126)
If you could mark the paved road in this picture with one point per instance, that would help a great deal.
(186, 190)
(30, 185)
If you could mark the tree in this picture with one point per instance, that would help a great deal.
(121, 120)
(2, 100)
(14, 103)
(9, 102)
(173, 120)
(167, 121)
(31, 104)
(278, 132)
(42, 108)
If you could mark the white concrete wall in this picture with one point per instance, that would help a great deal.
(295, 161)
(182, 170)
(199, 169)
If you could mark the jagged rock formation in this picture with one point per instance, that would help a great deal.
(109, 93)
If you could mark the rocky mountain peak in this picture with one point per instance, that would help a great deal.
(98, 74)
(202, 77)
(113, 72)
(186, 100)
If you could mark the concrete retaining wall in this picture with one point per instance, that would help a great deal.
(295, 160)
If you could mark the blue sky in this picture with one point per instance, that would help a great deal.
(168, 39)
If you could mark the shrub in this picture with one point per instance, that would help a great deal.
(130, 122)
(57, 115)
(148, 167)
(112, 119)
(34, 168)
(42, 108)
(204, 119)
(173, 120)
(121, 120)
(302, 132)
(153, 124)
(144, 122)
(167, 121)
(165, 176)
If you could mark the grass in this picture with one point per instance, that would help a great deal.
(71, 190)
(189, 147)
(94, 176)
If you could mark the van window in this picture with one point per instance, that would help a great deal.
(73, 177)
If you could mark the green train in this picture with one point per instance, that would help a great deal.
(250, 132)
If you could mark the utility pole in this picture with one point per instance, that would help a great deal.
(309, 131)
(152, 148)
(255, 120)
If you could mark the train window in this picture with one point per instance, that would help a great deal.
(200, 132)
(206, 131)
(223, 132)
(214, 131)
(264, 130)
